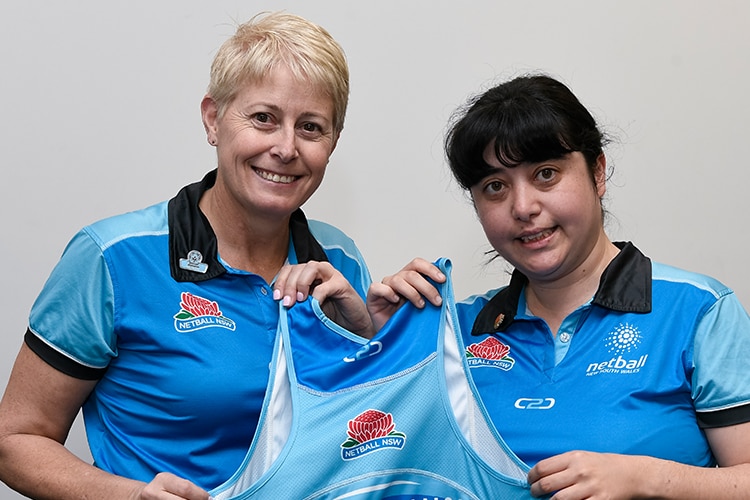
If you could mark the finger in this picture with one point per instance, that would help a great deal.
(551, 475)
(279, 284)
(408, 287)
(425, 268)
(381, 291)
(335, 286)
(413, 286)
(296, 282)
(549, 466)
(292, 288)
(166, 485)
(315, 275)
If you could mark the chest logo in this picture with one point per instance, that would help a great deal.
(622, 345)
(197, 313)
(489, 353)
(623, 339)
(370, 431)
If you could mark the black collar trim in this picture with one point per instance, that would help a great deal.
(193, 250)
(625, 286)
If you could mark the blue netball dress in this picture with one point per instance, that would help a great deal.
(396, 417)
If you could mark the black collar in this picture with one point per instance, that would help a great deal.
(625, 286)
(193, 254)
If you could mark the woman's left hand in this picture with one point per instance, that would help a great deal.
(581, 474)
(337, 297)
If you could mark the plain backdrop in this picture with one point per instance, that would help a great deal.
(100, 115)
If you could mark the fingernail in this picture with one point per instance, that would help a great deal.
(300, 297)
(287, 301)
(276, 294)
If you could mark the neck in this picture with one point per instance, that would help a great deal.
(254, 244)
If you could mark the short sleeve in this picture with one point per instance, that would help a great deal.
(722, 362)
(71, 321)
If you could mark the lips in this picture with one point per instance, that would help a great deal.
(537, 236)
(272, 177)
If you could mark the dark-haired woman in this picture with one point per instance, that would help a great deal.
(614, 376)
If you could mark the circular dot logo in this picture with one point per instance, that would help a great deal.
(625, 338)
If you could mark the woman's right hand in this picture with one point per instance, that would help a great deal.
(167, 486)
(36, 414)
(409, 284)
(338, 299)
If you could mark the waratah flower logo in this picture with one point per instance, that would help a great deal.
(370, 431)
(370, 425)
(489, 348)
(489, 353)
(198, 306)
(197, 312)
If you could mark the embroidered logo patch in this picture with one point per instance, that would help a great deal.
(197, 313)
(371, 431)
(490, 353)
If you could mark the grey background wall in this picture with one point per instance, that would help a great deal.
(101, 115)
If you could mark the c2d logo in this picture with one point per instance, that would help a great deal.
(534, 403)
(370, 431)
(369, 349)
(489, 353)
(197, 313)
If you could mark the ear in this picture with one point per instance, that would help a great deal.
(600, 175)
(336, 137)
(210, 116)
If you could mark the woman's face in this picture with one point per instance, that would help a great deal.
(544, 218)
(273, 144)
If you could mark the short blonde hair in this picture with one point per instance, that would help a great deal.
(270, 39)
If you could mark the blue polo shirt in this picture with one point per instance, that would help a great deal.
(656, 356)
(179, 342)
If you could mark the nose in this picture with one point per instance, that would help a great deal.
(285, 145)
(525, 204)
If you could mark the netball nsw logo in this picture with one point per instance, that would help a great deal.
(197, 312)
(622, 344)
(489, 353)
(370, 431)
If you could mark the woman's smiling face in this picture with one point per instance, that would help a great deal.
(273, 143)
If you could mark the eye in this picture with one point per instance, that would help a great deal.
(312, 130)
(493, 187)
(262, 120)
(311, 127)
(546, 174)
